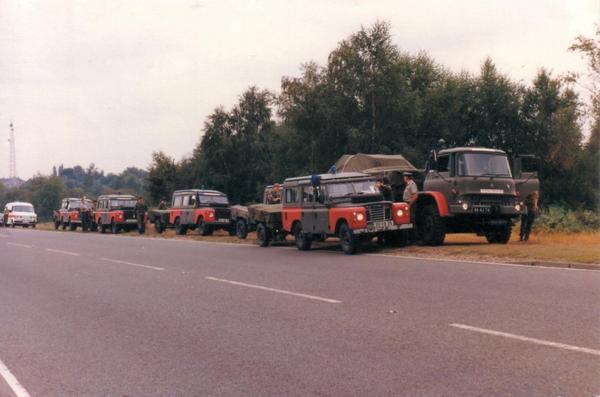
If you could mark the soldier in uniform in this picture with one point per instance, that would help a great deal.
(162, 205)
(410, 190)
(531, 203)
(274, 196)
(140, 213)
(85, 215)
(383, 184)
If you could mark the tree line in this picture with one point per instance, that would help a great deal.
(372, 97)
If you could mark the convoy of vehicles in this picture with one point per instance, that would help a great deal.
(70, 213)
(465, 190)
(20, 214)
(195, 209)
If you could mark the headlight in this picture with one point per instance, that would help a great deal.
(518, 207)
(399, 213)
(211, 215)
(360, 217)
(465, 206)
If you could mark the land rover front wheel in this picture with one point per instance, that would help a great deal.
(303, 241)
(203, 228)
(114, 228)
(432, 230)
(180, 229)
(262, 234)
(241, 229)
(72, 225)
(347, 239)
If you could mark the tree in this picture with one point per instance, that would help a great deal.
(161, 178)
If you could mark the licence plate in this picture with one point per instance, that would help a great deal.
(380, 225)
(223, 220)
(481, 209)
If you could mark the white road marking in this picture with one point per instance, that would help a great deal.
(20, 245)
(528, 339)
(281, 291)
(132, 264)
(12, 382)
(63, 252)
(3, 235)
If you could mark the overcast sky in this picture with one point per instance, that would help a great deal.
(109, 82)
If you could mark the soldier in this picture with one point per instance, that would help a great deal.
(383, 184)
(410, 191)
(85, 215)
(531, 203)
(274, 196)
(140, 213)
(5, 220)
(162, 205)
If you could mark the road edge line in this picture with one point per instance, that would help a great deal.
(12, 381)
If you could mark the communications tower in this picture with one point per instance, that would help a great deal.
(12, 158)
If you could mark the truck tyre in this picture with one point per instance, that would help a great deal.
(263, 235)
(180, 229)
(114, 228)
(203, 228)
(499, 236)
(72, 226)
(432, 229)
(347, 239)
(303, 241)
(158, 226)
(241, 229)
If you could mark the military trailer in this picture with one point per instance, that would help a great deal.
(195, 209)
(471, 190)
(115, 212)
(344, 205)
(240, 214)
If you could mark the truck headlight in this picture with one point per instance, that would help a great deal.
(518, 207)
(399, 213)
(465, 206)
(360, 217)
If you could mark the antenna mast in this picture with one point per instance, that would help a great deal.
(12, 158)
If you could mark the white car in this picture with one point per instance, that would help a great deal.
(20, 214)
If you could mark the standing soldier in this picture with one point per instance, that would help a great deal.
(410, 196)
(162, 205)
(140, 213)
(85, 215)
(383, 184)
(5, 216)
(531, 203)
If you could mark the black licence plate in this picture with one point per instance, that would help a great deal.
(481, 209)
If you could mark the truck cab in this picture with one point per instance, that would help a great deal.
(469, 190)
(345, 205)
(204, 210)
(115, 212)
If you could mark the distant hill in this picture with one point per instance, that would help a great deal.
(12, 182)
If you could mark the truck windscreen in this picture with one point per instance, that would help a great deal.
(212, 199)
(349, 188)
(483, 164)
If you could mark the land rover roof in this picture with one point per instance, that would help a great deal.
(326, 178)
(201, 191)
(471, 149)
(118, 197)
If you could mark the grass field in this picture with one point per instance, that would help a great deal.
(542, 246)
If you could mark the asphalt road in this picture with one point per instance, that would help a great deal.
(100, 315)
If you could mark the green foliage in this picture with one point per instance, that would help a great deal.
(562, 219)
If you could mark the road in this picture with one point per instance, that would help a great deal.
(100, 315)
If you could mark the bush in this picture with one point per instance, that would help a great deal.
(561, 219)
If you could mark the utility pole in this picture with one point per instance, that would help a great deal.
(12, 158)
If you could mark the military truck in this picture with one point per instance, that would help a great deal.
(194, 209)
(471, 190)
(69, 213)
(345, 205)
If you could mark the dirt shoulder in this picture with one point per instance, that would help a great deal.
(559, 249)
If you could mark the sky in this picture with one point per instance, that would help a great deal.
(109, 82)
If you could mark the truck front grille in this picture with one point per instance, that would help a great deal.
(378, 213)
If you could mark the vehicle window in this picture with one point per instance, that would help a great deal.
(291, 196)
(212, 199)
(483, 164)
(192, 200)
(122, 203)
(177, 201)
(443, 164)
(185, 201)
(22, 208)
(350, 188)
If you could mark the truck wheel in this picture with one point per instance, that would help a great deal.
(203, 228)
(432, 229)
(114, 228)
(499, 236)
(241, 229)
(180, 229)
(303, 241)
(263, 235)
(158, 226)
(347, 239)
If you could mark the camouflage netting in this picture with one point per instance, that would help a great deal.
(374, 164)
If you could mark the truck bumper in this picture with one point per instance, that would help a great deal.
(385, 226)
(492, 210)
